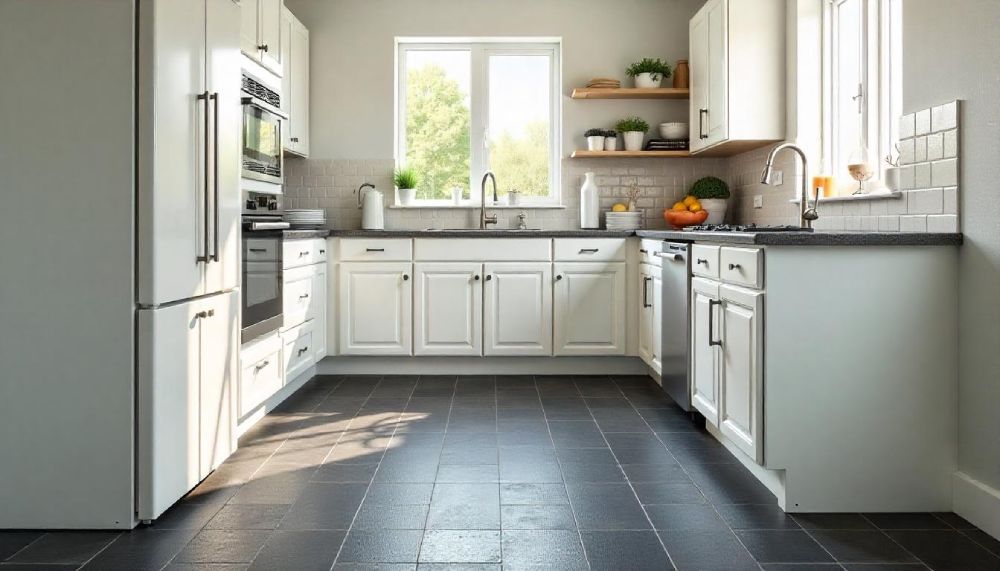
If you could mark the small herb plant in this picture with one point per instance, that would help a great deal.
(610, 133)
(649, 65)
(594, 133)
(709, 188)
(405, 178)
(631, 125)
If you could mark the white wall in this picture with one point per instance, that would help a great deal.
(951, 52)
(352, 54)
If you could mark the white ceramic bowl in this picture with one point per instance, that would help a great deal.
(674, 131)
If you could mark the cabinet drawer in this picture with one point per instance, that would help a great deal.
(261, 249)
(297, 253)
(705, 261)
(261, 375)
(376, 249)
(298, 296)
(741, 266)
(590, 249)
(648, 250)
(482, 249)
(299, 353)
(321, 248)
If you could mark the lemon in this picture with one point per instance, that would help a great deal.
(689, 200)
(619, 208)
(696, 207)
(679, 207)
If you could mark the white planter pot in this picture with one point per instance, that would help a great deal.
(633, 140)
(892, 179)
(406, 196)
(648, 80)
(611, 143)
(716, 208)
(595, 143)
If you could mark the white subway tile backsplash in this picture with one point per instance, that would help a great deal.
(922, 176)
(920, 149)
(912, 223)
(906, 177)
(925, 201)
(944, 117)
(907, 126)
(942, 223)
(923, 122)
(888, 223)
(951, 143)
(906, 152)
(950, 199)
(935, 147)
(944, 173)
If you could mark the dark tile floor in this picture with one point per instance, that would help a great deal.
(511, 472)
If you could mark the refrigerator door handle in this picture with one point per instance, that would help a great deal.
(215, 174)
(206, 257)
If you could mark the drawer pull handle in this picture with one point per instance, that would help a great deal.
(374, 249)
(589, 250)
(303, 350)
(645, 292)
(258, 250)
(257, 368)
(703, 261)
(304, 296)
(735, 266)
(641, 251)
(405, 277)
(295, 139)
(322, 251)
(711, 328)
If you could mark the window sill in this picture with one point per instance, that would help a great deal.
(858, 197)
(471, 206)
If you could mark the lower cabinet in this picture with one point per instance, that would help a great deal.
(298, 351)
(376, 308)
(448, 308)
(517, 309)
(319, 311)
(262, 372)
(647, 314)
(704, 356)
(589, 308)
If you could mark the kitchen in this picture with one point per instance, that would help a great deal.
(418, 382)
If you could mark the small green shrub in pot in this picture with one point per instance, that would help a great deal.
(610, 140)
(595, 139)
(633, 130)
(713, 193)
(648, 72)
(406, 181)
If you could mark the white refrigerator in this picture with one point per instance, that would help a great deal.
(119, 305)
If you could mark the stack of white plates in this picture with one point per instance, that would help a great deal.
(623, 220)
(305, 218)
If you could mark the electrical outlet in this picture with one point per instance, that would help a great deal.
(777, 178)
(758, 201)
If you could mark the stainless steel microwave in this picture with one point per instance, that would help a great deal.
(263, 121)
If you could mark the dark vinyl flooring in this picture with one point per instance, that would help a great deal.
(511, 472)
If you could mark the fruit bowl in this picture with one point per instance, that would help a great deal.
(682, 218)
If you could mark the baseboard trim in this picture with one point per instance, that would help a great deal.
(977, 502)
(482, 366)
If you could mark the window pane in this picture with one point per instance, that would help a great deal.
(519, 123)
(848, 75)
(437, 120)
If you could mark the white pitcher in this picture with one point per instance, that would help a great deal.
(370, 202)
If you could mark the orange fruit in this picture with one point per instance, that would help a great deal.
(679, 207)
(696, 207)
(689, 200)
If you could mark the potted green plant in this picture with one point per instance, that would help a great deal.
(595, 139)
(406, 181)
(610, 140)
(648, 72)
(633, 131)
(712, 193)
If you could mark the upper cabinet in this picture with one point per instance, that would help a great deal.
(295, 84)
(260, 37)
(737, 56)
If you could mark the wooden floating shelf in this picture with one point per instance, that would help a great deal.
(631, 93)
(630, 154)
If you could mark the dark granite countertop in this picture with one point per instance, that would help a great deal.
(818, 238)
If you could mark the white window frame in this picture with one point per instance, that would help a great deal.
(881, 81)
(480, 51)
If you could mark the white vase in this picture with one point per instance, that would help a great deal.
(648, 80)
(633, 140)
(595, 143)
(590, 215)
(716, 208)
(892, 179)
(406, 196)
(611, 143)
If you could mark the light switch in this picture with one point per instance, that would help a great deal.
(758, 201)
(777, 178)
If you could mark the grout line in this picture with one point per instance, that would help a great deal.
(27, 545)
(892, 539)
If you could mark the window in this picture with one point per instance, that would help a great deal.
(464, 108)
(863, 83)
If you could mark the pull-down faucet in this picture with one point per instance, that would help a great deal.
(483, 218)
(806, 214)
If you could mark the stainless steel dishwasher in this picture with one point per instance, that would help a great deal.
(675, 313)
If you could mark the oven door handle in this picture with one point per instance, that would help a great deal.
(264, 106)
(270, 226)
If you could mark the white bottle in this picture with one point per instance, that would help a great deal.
(590, 213)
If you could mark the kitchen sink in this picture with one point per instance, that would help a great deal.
(477, 230)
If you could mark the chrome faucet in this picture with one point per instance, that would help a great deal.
(806, 214)
(483, 218)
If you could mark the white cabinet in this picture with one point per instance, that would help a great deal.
(262, 372)
(298, 291)
(647, 315)
(295, 84)
(448, 308)
(704, 340)
(218, 372)
(737, 53)
(260, 37)
(319, 310)
(740, 413)
(589, 308)
(656, 317)
(375, 308)
(298, 352)
(517, 308)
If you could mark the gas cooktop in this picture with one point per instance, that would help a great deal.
(744, 228)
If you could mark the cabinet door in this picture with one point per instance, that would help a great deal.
(448, 310)
(704, 353)
(270, 35)
(286, 79)
(645, 314)
(249, 33)
(589, 304)
(375, 308)
(698, 31)
(219, 367)
(223, 82)
(717, 121)
(741, 406)
(172, 174)
(319, 311)
(657, 321)
(517, 309)
(297, 64)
